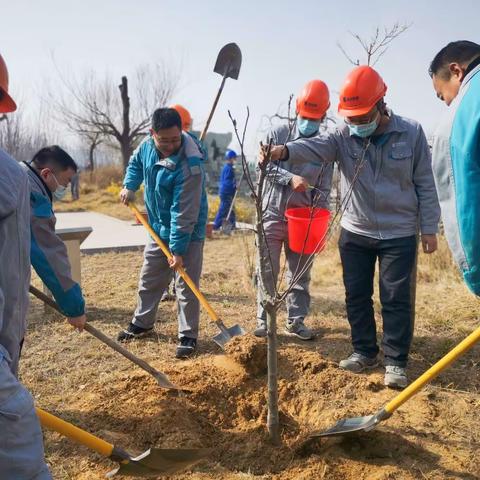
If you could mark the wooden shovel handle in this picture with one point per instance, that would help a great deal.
(99, 335)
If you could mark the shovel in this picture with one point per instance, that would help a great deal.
(229, 61)
(152, 463)
(356, 424)
(160, 377)
(226, 333)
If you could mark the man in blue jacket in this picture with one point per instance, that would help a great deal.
(49, 173)
(455, 72)
(227, 189)
(170, 164)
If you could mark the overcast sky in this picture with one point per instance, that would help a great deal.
(284, 44)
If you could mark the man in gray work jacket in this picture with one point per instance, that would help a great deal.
(21, 443)
(288, 186)
(387, 184)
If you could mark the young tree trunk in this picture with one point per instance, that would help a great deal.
(265, 283)
(273, 422)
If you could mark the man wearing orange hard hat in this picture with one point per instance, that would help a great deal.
(21, 444)
(388, 188)
(289, 186)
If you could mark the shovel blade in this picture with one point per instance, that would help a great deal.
(347, 426)
(161, 461)
(164, 382)
(227, 333)
(229, 61)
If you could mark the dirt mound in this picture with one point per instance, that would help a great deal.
(249, 352)
(226, 409)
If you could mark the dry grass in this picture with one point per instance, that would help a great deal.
(433, 436)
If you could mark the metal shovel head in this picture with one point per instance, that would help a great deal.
(164, 382)
(227, 333)
(161, 461)
(229, 61)
(354, 424)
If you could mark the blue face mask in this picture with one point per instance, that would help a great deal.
(307, 127)
(364, 130)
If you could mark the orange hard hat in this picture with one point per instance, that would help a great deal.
(6, 101)
(362, 89)
(185, 116)
(314, 100)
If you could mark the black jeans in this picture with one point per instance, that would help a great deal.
(396, 261)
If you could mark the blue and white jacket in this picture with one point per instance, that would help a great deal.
(456, 167)
(175, 195)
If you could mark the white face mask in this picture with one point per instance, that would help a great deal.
(60, 191)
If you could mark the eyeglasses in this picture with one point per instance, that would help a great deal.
(168, 141)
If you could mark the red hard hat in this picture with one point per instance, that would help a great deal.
(185, 116)
(362, 89)
(6, 102)
(313, 100)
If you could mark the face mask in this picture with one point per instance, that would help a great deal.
(60, 191)
(364, 130)
(306, 127)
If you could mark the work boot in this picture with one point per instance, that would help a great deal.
(261, 330)
(132, 332)
(296, 328)
(358, 363)
(186, 347)
(395, 377)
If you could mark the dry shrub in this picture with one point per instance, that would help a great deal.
(244, 209)
(102, 177)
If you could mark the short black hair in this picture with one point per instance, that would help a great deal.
(462, 52)
(56, 156)
(165, 118)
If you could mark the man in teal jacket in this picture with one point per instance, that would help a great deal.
(49, 173)
(455, 72)
(170, 164)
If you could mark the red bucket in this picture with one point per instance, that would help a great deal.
(307, 232)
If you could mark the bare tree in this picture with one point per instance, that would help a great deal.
(375, 47)
(95, 110)
(22, 136)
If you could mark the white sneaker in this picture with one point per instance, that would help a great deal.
(395, 377)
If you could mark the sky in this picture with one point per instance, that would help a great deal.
(284, 44)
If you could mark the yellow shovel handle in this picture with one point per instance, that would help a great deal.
(74, 433)
(433, 371)
(180, 270)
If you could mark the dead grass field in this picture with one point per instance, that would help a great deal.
(435, 435)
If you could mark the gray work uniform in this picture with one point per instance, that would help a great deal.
(388, 192)
(278, 197)
(21, 445)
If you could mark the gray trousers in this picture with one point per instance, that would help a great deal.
(155, 277)
(298, 300)
(21, 442)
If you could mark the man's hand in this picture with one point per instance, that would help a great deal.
(277, 152)
(127, 196)
(176, 262)
(429, 243)
(78, 322)
(298, 183)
